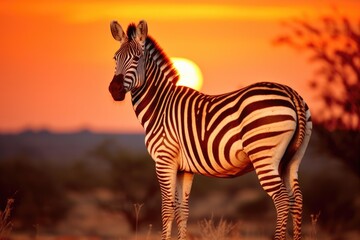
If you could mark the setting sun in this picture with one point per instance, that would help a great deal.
(190, 73)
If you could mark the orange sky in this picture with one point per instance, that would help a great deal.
(56, 56)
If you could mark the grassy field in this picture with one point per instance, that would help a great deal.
(88, 221)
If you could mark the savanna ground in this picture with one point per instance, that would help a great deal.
(112, 193)
(88, 221)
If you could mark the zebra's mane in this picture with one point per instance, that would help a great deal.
(131, 31)
(156, 51)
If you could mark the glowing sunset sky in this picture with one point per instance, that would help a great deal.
(56, 56)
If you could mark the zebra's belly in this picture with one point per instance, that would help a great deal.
(222, 167)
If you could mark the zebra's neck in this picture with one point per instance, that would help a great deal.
(150, 99)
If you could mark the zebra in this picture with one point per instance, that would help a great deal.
(264, 127)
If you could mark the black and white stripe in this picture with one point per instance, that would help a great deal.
(263, 127)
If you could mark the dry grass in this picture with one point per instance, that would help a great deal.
(225, 230)
(221, 230)
(313, 231)
(5, 222)
(137, 208)
(209, 229)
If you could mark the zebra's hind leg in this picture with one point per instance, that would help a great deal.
(272, 183)
(293, 186)
(281, 202)
(296, 203)
(266, 160)
(295, 196)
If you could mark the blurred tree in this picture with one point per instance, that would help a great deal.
(334, 194)
(333, 43)
(81, 176)
(134, 182)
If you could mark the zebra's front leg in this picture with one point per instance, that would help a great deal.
(183, 188)
(167, 180)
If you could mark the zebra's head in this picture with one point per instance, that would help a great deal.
(130, 59)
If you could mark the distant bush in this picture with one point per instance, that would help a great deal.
(39, 198)
(335, 194)
(81, 176)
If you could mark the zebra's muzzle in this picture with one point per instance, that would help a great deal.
(116, 88)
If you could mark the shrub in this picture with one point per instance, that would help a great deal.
(39, 199)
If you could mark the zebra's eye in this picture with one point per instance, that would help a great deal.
(136, 58)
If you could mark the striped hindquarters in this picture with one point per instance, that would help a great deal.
(215, 131)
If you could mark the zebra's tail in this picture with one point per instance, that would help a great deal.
(300, 130)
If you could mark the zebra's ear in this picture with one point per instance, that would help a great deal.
(141, 32)
(117, 31)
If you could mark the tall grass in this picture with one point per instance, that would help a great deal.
(314, 220)
(137, 208)
(5, 221)
(212, 229)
